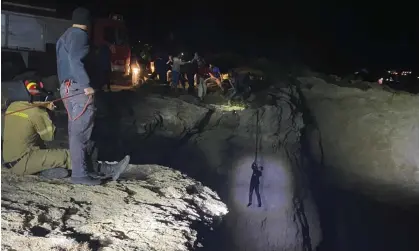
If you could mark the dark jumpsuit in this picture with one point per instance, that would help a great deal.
(254, 185)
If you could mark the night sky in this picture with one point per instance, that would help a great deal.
(379, 34)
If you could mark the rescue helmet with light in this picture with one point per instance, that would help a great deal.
(27, 90)
(37, 91)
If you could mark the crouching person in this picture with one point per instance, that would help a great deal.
(27, 125)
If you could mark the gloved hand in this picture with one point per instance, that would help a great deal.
(51, 106)
(89, 91)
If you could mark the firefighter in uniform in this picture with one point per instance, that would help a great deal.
(24, 132)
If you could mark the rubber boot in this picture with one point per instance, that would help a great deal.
(54, 173)
(114, 170)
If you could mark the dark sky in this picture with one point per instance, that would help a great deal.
(364, 33)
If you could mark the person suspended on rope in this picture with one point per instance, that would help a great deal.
(254, 184)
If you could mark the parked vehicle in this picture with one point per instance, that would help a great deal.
(29, 35)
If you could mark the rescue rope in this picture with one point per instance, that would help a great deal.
(81, 113)
(39, 105)
(67, 89)
(257, 135)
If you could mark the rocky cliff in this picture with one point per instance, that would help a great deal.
(216, 144)
(152, 208)
(340, 164)
(368, 140)
(361, 152)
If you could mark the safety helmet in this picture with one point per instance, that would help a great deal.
(37, 91)
(26, 90)
(33, 87)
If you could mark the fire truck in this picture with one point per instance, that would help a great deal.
(29, 35)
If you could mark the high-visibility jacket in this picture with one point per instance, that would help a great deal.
(25, 131)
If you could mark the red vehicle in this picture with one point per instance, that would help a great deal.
(112, 32)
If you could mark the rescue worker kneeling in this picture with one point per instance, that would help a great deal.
(25, 130)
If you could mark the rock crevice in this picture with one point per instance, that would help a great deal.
(217, 146)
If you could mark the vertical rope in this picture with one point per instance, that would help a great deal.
(257, 135)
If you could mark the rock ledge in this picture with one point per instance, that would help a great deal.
(157, 209)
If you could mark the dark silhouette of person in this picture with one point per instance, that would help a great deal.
(160, 68)
(254, 184)
(191, 70)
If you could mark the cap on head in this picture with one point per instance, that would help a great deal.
(81, 16)
(254, 164)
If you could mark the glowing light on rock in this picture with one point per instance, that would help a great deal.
(230, 108)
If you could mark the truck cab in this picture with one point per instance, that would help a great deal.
(113, 33)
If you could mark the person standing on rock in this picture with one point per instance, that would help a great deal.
(72, 48)
(177, 63)
(215, 75)
(254, 184)
(160, 68)
(200, 78)
(169, 76)
(192, 68)
(104, 67)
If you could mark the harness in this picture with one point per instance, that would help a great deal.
(66, 96)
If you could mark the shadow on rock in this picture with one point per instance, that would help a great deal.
(153, 133)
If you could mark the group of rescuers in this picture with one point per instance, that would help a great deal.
(197, 71)
(28, 123)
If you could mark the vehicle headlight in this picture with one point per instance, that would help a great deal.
(135, 70)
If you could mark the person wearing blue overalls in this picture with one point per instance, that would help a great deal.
(72, 48)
